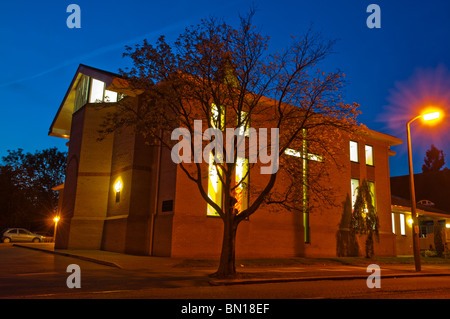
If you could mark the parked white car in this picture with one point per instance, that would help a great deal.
(20, 235)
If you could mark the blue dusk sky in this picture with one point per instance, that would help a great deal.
(393, 72)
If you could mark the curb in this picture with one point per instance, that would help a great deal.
(93, 260)
(229, 282)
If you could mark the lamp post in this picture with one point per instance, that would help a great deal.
(56, 220)
(415, 226)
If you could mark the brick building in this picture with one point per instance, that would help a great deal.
(123, 195)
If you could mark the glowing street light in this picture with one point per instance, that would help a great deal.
(429, 116)
(56, 220)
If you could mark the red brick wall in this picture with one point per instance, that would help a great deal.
(280, 234)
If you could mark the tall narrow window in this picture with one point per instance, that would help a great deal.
(369, 155)
(393, 222)
(81, 93)
(354, 185)
(241, 189)
(353, 151)
(217, 116)
(372, 193)
(214, 187)
(214, 183)
(402, 224)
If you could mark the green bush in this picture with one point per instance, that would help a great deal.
(430, 253)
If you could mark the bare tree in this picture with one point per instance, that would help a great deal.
(226, 78)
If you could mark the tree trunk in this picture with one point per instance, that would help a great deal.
(369, 245)
(227, 258)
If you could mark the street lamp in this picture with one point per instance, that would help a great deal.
(56, 220)
(415, 229)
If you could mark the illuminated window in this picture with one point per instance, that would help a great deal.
(241, 190)
(402, 224)
(243, 128)
(372, 193)
(110, 96)
(217, 116)
(355, 185)
(393, 222)
(81, 93)
(214, 187)
(353, 151)
(214, 182)
(97, 88)
(99, 94)
(369, 155)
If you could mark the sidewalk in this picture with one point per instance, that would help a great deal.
(256, 270)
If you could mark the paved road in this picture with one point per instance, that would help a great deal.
(26, 273)
(401, 288)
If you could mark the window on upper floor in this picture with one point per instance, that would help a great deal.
(90, 90)
(354, 151)
(110, 96)
(369, 155)
(81, 93)
(97, 90)
(99, 93)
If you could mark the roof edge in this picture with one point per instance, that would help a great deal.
(105, 76)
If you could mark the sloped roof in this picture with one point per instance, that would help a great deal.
(402, 204)
(61, 124)
(432, 186)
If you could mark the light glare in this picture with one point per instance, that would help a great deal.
(431, 116)
(410, 221)
(118, 186)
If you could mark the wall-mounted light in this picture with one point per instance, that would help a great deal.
(410, 221)
(118, 188)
